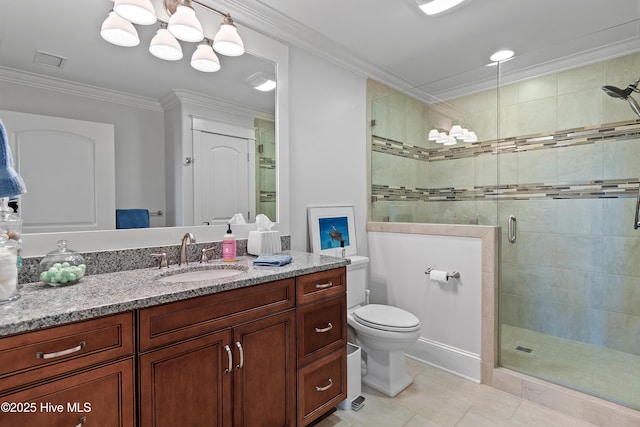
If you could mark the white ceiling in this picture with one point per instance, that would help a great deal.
(390, 41)
(446, 54)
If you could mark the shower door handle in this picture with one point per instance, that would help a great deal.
(636, 221)
(512, 229)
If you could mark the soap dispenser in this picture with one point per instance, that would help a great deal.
(229, 246)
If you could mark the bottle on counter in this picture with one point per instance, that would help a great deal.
(229, 246)
(11, 228)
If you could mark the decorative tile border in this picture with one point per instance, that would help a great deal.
(267, 196)
(600, 189)
(266, 163)
(565, 138)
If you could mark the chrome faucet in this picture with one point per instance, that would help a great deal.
(186, 239)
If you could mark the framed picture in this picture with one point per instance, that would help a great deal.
(331, 228)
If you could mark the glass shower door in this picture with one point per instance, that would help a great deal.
(569, 303)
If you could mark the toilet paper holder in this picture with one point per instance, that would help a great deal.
(450, 275)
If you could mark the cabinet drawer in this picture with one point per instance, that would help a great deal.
(173, 322)
(322, 329)
(54, 351)
(321, 386)
(102, 396)
(323, 284)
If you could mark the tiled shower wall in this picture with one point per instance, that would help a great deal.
(266, 167)
(564, 158)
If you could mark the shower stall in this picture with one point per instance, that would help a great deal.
(557, 167)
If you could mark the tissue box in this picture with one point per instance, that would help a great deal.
(264, 242)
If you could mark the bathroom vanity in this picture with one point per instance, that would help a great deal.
(265, 347)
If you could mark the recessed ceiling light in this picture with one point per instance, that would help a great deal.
(501, 55)
(262, 82)
(435, 7)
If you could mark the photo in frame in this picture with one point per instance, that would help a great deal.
(330, 227)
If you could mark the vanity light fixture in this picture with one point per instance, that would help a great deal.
(117, 30)
(164, 46)
(183, 25)
(435, 7)
(456, 133)
(205, 59)
(136, 11)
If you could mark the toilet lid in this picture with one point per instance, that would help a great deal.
(387, 318)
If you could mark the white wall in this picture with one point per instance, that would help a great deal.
(450, 313)
(328, 142)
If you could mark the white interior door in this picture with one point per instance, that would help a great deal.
(68, 167)
(221, 177)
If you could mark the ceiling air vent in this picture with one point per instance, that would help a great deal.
(49, 59)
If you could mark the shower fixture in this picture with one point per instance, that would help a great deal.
(616, 92)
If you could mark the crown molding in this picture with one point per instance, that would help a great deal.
(261, 17)
(67, 87)
(177, 97)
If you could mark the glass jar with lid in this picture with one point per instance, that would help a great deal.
(62, 267)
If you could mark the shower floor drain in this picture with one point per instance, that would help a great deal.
(525, 349)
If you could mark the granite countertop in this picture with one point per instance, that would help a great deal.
(41, 305)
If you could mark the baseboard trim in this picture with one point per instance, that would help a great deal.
(451, 359)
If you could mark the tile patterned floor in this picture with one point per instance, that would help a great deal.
(588, 368)
(440, 399)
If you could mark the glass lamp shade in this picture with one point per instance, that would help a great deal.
(204, 59)
(136, 11)
(451, 140)
(117, 30)
(442, 137)
(434, 134)
(227, 41)
(184, 25)
(456, 131)
(470, 137)
(164, 46)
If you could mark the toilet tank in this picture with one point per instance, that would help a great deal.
(357, 280)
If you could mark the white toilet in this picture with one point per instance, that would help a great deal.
(383, 332)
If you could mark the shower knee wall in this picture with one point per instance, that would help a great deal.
(450, 313)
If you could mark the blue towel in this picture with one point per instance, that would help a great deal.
(11, 184)
(273, 260)
(132, 218)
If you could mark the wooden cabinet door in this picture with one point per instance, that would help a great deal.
(186, 384)
(102, 396)
(264, 379)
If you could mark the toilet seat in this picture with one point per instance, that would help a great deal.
(387, 318)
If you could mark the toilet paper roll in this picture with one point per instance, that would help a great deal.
(438, 275)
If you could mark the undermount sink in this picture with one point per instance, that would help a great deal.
(202, 274)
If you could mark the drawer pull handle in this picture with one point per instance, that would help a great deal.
(41, 355)
(230, 356)
(82, 421)
(325, 388)
(327, 329)
(324, 285)
(241, 364)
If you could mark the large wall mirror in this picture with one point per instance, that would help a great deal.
(65, 69)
